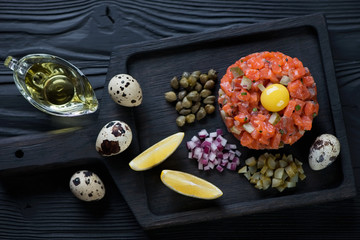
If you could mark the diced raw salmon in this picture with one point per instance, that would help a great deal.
(242, 105)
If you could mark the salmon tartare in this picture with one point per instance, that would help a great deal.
(268, 99)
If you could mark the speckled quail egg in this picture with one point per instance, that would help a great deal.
(113, 138)
(324, 151)
(87, 186)
(125, 90)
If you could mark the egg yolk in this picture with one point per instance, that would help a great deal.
(275, 97)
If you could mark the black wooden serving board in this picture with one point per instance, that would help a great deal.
(154, 63)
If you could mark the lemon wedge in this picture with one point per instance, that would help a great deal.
(157, 153)
(190, 185)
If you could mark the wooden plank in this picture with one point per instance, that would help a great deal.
(84, 32)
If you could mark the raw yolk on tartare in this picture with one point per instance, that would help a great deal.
(275, 97)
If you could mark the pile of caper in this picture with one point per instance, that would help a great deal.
(193, 94)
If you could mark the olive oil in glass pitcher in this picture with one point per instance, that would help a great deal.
(53, 85)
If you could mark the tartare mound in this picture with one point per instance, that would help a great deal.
(244, 115)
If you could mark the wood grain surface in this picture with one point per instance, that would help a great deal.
(37, 204)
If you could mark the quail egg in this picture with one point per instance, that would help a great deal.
(113, 138)
(324, 151)
(125, 90)
(87, 186)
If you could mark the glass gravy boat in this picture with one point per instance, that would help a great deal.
(53, 85)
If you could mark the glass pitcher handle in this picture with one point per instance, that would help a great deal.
(14, 65)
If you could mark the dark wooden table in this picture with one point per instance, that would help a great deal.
(35, 202)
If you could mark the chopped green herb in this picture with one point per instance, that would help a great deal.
(244, 93)
(297, 107)
(241, 60)
(314, 115)
(260, 131)
(302, 81)
(281, 131)
(245, 119)
(279, 65)
(254, 109)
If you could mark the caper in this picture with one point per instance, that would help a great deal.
(196, 74)
(193, 96)
(209, 108)
(209, 84)
(212, 74)
(209, 100)
(195, 107)
(204, 78)
(174, 83)
(185, 111)
(200, 114)
(184, 82)
(180, 121)
(178, 106)
(186, 103)
(181, 95)
(198, 87)
(192, 81)
(205, 93)
(185, 75)
(190, 118)
(170, 96)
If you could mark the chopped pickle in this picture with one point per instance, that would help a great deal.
(279, 172)
(237, 72)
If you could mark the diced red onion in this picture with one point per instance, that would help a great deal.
(212, 156)
(196, 140)
(204, 161)
(219, 168)
(231, 166)
(206, 143)
(232, 146)
(203, 133)
(211, 150)
(224, 162)
(213, 147)
(211, 165)
(213, 134)
(200, 166)
(190, 145)
(236, 160)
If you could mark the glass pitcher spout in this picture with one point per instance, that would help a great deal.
(53, 85)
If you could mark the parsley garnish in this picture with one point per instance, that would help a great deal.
(297, 107)
(243, 93)
(254, 109)
(281, 131)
